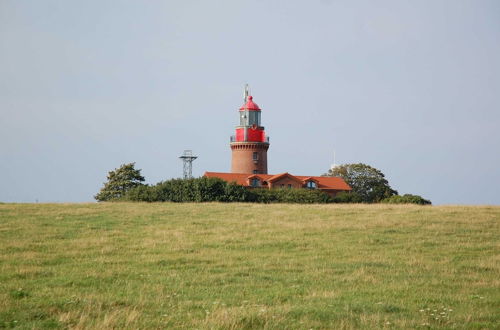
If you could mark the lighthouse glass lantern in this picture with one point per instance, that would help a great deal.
(249, 129)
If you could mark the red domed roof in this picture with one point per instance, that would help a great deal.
(250, 105)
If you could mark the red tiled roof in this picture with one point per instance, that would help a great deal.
(324, 182)
(310, 178)
(239, 178)
(282, 175)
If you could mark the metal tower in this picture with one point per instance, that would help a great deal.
(187, 159)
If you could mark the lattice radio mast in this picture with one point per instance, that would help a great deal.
(187, 159)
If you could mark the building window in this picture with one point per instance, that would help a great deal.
(255, 171)
(255, 156)
(255, 182)
(311, 185)
(289, 186)
(282, 185)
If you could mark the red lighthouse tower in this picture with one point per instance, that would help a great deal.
(249, 145)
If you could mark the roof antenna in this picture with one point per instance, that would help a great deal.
(246, 92)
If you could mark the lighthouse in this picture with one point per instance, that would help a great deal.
(249, 144)
(249, 147)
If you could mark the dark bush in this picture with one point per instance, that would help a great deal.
(303, 196)
(209, 190)
(237, 193)
(264, 195)
(348, 197)
(406, 199)
(176, 190)
(142, 193)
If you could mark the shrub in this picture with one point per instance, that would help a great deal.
(209, 189)
(141, 193)
(177, 190)
(347, 197)
(262, 195)
(237, 193)
(303, 196)
(406, 199)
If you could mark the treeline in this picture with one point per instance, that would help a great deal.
(369, 186)
(217, 190)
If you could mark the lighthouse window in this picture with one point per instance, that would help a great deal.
(243, 118)
(254, 118)
(255, 156)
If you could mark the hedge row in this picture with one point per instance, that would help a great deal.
(217, 190)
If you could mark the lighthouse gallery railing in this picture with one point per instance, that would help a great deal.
(233, 139)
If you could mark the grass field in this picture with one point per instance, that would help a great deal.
(126, 265)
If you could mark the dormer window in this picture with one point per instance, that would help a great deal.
(255, 182)
(311, 184)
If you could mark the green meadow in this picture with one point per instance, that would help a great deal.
(249, 266)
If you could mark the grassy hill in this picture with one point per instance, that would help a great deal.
(248, 266)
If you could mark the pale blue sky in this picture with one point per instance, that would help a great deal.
(409, 87)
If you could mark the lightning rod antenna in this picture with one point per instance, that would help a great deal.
(246, 92)
(334, 164)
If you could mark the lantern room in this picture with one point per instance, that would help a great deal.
(250, 129)
(250, 113)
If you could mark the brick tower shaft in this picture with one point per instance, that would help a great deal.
(249, 157)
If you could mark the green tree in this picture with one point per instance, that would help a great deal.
(368, 182)
(119, 182)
